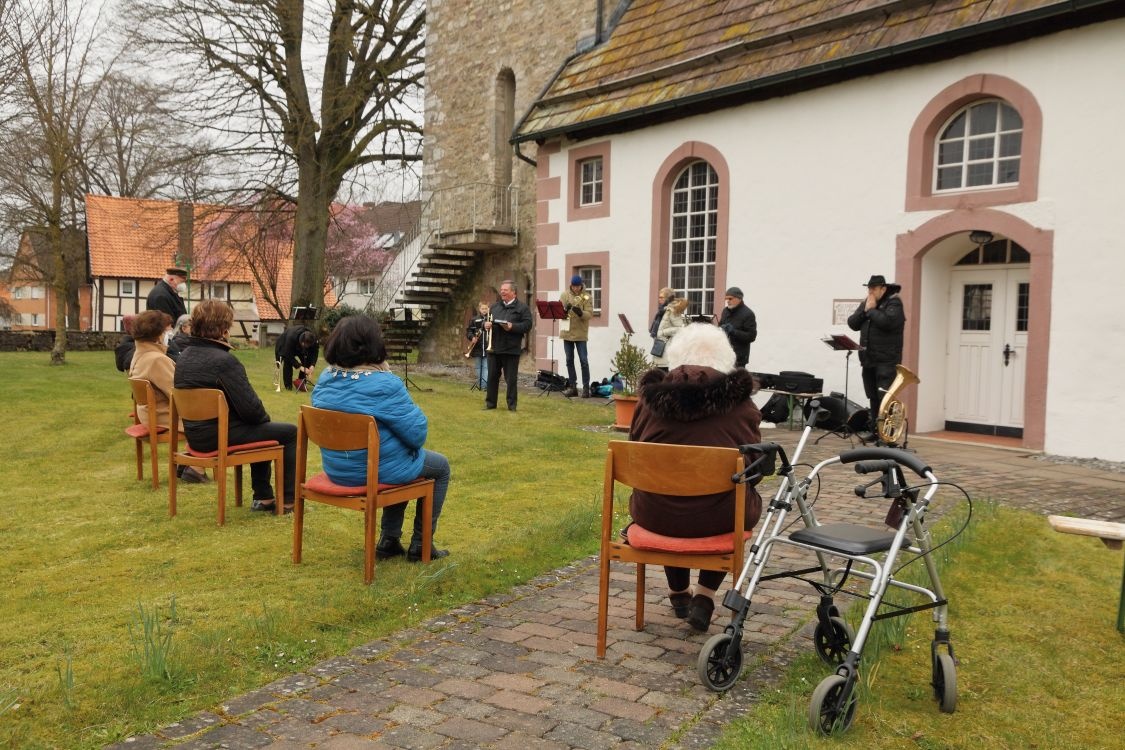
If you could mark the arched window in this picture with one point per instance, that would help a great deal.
(694, 235)
(979, 147)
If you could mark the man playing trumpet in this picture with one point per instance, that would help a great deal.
(579, 308)
(474, 333)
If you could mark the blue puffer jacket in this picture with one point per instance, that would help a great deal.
(402, 425)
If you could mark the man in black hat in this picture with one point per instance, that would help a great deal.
(879, 320)
(739, 324)
(166, 294)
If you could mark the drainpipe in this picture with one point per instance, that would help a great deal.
(599, 23)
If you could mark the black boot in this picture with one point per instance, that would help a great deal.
(388, 547)
(414, 554)
(585, 391)
(699, 614)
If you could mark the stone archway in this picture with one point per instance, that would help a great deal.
(910, 250)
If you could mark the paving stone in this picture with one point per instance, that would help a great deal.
(521, 741)
(190, 726)
(469, 709)
(624, 709)
(583, 737)
(415, 716)
(413, 695)
(468, 730)
(535, 724)
(410, 738)
(522, 683)
(227, 737)
(518, 701)
(356, 723)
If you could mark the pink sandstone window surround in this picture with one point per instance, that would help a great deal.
(580, 262)
(664, 189)
(937, 115)
(580, 207)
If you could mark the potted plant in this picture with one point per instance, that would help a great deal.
(630, 363)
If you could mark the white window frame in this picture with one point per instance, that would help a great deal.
(694, 231)
(592, 280)
(994, 139)
(18, 292)
(220, 290)
(127, 288)
(365, 286)
(591, 186)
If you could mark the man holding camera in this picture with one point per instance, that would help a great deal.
(511, 319)
(579, 308)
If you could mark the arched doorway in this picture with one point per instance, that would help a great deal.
(960, 316)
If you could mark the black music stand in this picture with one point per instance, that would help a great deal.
(840, 342)
(625, 322)
(553, 311)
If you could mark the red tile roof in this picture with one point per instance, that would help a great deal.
(139, 238)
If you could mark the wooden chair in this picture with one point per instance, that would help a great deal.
(200, 404)
(342, 431)
(670, 470)
(148, 431)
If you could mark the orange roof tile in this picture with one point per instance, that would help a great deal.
(139, 238)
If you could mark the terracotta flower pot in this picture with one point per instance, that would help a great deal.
(623, 411)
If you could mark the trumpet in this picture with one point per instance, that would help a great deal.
(277, 376)
(488, 335)
(472, 344)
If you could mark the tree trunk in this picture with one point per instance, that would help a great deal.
(310, 235)
(54, 232)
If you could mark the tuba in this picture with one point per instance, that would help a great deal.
(891, 423)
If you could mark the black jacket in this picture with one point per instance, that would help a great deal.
(164, 297)
(209, 364)
(288, 348)
(475, 329)
(503, 340)
(742, 331)
(880, 329)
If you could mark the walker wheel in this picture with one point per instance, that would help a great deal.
(945, 683)
(832, 643)
(824, 717)
(717, 669)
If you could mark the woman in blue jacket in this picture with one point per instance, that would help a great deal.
(358, 380)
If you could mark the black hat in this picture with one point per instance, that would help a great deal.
(175, 272)
(734, 292)
(880, 280)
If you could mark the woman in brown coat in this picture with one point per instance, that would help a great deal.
(702, 400)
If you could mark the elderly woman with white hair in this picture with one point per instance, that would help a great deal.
(702, 400)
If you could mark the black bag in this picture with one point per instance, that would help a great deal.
(658, 347)
(776, 410)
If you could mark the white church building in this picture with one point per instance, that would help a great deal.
(968, 151)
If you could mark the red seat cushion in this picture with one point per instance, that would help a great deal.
(141, 430)
(233, 448)
(642, 538)
(322, 484)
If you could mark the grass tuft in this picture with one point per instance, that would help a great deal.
(152, 635)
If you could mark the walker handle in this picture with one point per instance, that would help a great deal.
(867, 467)
(909, 460)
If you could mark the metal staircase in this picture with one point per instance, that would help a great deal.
(457, 225)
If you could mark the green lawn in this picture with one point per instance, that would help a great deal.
(90, 553)
(1032, 615)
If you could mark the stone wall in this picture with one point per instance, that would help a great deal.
(44, 341)
(468, 44)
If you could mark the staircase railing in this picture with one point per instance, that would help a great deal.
(476, 206)
(409, 251)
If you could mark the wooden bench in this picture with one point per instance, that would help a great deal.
(1112, 535)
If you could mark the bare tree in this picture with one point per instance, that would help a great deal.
(136, 145)
(311, 130)
(56, 79)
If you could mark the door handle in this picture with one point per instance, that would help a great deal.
(1008, 352)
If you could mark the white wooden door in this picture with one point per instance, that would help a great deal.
(987, 349)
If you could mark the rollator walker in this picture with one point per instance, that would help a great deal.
(865, 553)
